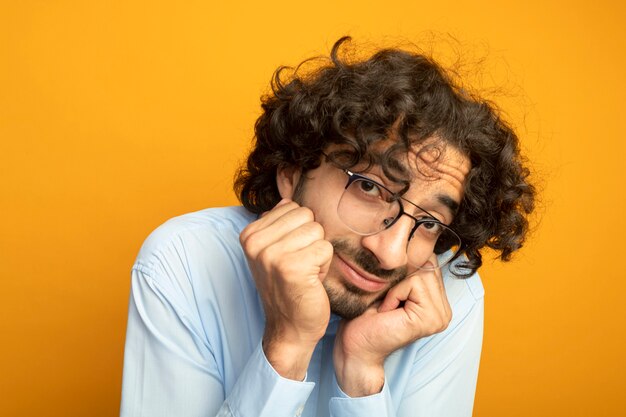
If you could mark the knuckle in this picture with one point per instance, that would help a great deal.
(417, 287)
(244, 235)
(436, 324)
(266, 257)
(282, 270)
(252, 243)
(444, 326)
(314, 229)
(328, 247)
(248, 243)
(416, 280)
(442, 323)
(286, 269)
(324, 249)
(306, 213)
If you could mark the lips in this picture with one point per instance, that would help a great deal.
(358, 278)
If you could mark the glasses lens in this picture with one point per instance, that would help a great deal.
(366, 207)
(434, 237)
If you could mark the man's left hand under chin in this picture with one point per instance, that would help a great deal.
(416, 307)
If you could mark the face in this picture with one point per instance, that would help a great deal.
(364, 268)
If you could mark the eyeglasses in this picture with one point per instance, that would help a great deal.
(368, 207)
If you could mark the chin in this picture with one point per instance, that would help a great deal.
(349, 303)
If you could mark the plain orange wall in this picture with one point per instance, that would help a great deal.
(116, 115)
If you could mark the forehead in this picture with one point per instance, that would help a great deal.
(433, 172)
(425, 162)
(435, 162)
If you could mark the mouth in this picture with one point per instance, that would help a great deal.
(359, 278)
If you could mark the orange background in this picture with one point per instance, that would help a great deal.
(117, 115)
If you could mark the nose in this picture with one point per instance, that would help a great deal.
(390, 245)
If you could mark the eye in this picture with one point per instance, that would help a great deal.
(369, 188)
(432, 228)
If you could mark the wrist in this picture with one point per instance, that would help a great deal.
(289, 359)
(360, 379)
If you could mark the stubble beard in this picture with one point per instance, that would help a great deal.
(349, 301)
(346, 302)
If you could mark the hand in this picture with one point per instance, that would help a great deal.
(289, 259)
(416, 307)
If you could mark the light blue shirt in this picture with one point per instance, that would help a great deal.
(195, 323)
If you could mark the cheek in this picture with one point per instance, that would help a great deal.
(334, 229)
(324, 208)
(420, 254)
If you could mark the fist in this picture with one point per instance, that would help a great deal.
(289, 259)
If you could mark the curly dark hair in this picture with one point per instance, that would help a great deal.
(408, 97)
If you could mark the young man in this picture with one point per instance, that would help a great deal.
(347, 285)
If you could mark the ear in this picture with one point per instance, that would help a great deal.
(287, 179)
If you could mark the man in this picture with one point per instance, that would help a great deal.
(347, 285)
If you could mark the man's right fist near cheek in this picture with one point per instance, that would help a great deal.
(289, 259)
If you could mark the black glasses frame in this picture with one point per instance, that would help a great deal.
(352, 177)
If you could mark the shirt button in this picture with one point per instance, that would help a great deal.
(299, 411)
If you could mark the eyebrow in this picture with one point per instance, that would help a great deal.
(444, 199)
(398, 166)
(394, 164)
(449, 202)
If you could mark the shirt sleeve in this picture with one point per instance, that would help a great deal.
(379, 405)
(442, 380)
(261, 391)
(171, 370)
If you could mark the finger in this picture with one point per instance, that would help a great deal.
(438, 297)
(434, 286)
(292, 231)
(312, 261)
(289, 221)
(269, 217)
(276, 243)
(432, 263)
(412, 288)
(435, 283)
(421, 287)
(325, 266)
(274, 225)
(431, 277)
(282, 202)
(424, 312)
(391, 301)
